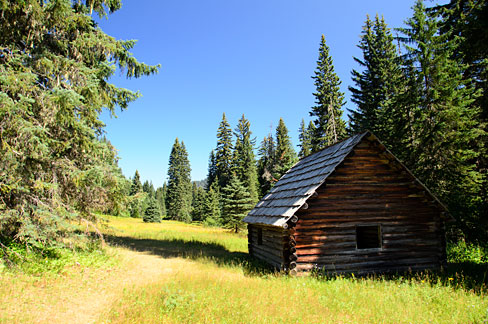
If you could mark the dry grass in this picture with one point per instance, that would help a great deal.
(179, 273)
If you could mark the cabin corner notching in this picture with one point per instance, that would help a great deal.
(352, 207)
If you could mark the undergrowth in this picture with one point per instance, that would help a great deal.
(84, 251)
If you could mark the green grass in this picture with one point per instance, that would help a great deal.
(218, 283)
(187, 273)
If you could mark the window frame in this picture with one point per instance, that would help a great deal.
(380, 237)
(260, 236)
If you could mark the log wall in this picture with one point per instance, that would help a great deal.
(369, 189)
(273, 246)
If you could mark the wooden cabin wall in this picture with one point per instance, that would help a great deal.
(271, 249)
(367, 188)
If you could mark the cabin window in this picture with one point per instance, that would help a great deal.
(260, 236)
(368, 237)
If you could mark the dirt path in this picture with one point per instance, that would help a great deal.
(84, 294)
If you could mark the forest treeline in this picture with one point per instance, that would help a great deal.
(421, 88)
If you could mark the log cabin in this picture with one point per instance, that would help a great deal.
(352, 207)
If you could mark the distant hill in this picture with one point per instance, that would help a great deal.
(201, 183)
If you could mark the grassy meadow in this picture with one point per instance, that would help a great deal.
(184, 273)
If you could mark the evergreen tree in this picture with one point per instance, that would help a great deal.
(137, 197)
(446, 121)
(236, 204)
(211, 206)
(179, 184)
(244, 161)
(466, 22)
(56, 64)
(223, 153)
(160, 199)
(285, 155)
(197, 203)
(152, 214)
(136, 186)
(330, 128)
(305, 137)
(212, 170)
(148, 188)
(378, 84)
(266, 164)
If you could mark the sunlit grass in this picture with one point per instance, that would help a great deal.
(187, 273)
(202, 293)
(172, 230)
(205, 289)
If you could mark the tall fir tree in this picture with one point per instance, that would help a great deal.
(212, 170)
(236, 204)
(136, 186)
(330, 128)
(211, 206)
(223, 152)
(285, 155)
(197, 203)
(266, 164)
(305, 135)
(56, 65)
(160, 199)
(137, 198)
(244, 160)
(378, 84)
(446, 121)
(179, 184)
(467, 22)
(148, 188)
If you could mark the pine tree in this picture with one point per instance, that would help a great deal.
(56, 64)
(244, 160)
(446, 121)
(179, 184)
(285, 155)
(212, 170)
(466, 22)
(136, 186)
(236, 204)
(305, 136)
(223, 153)
(211, 206)
(197, 203)
(152, 214)
(330, 128)
(378, 84)
(148, 188)
(266, 164)
(160, 199)
(137, 197)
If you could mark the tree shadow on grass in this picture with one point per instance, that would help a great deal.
(194, 250)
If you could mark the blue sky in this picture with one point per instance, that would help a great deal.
(234, 56)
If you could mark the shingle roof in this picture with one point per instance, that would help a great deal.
(299, 183)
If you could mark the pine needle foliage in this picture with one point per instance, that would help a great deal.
(179, 192)
(266, 164)
(224, 152)
(152, 214)
(329, 126)
(244, 160)
(54, 83)
(285, 155)
(237, 202)
(378, 84)
(447, 122)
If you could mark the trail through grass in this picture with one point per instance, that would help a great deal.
(178, 273)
